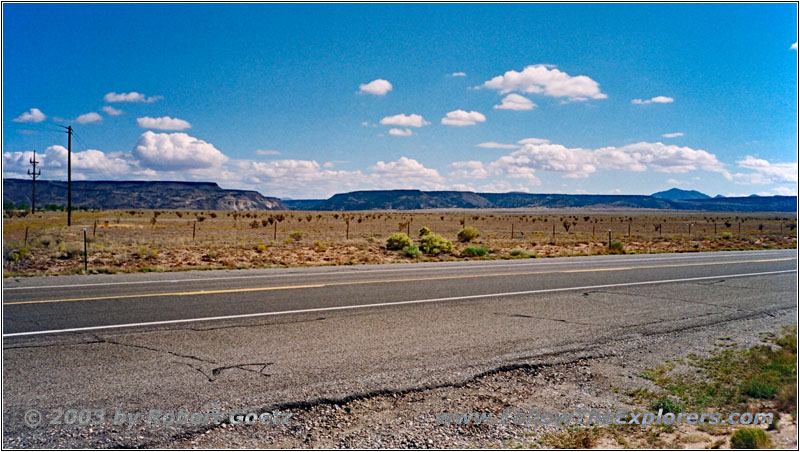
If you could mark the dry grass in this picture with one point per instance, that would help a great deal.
(129, 241)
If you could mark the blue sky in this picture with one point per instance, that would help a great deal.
(310, 100)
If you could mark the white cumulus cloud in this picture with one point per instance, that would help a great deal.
(515, 102)
(495, 145)
(400, 132)
(90, 163)
(461, 118)
(575, 163)
(458, 74)
(793, 46)
(32, 115)
(377, 87)
(267, 152)
(580, 162)
(132, 96)
(405, 167)
(176, 151)
(88, 118)
(659, 157)
(547, 80)
(163, 123)
(533, 141)
(673, 135)
(111, 111)
(472, 169)
(404, 173)
(765, 172)
(655, 100)
(402, 120)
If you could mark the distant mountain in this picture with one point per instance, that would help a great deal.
(139, 195)
(740, 204)
(677, 193)
(417, 199)
(209, 196)
(302, 204)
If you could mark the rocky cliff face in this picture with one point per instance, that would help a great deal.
(139, 195)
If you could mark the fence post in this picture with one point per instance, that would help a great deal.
(609, 239)
(194, 229)
(85, 254)
(512, 231)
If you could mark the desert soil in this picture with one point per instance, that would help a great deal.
(136, 241)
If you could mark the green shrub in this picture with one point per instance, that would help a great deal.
(617, 247)
(758, 388)
(435, 244)
(726, 235)
(474, 251)
(261, 248)
(21, 253)
(467, 234)
(750, 438)
(424, 231)
(517, 252)
(297, 235)
(412, 251)
(319, 246)
(667, 404)
(398, 241)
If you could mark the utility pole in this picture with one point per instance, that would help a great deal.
(69, 175)
(34, 175)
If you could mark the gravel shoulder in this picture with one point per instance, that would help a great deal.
(597, 378)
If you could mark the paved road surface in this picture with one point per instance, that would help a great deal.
(208, 341)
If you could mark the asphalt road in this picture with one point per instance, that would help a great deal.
(223, 340)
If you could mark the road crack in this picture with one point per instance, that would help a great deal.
(153, 349)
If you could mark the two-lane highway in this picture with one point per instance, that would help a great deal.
(36, 306)
(258, 339)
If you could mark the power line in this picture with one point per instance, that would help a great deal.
(78, 138)
(31, 126)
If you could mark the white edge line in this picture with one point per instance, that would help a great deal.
(383, 270)
(392, 303)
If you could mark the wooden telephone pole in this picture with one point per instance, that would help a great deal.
(69, 175)
(34, 175)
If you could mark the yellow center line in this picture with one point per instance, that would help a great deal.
(383, 281)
